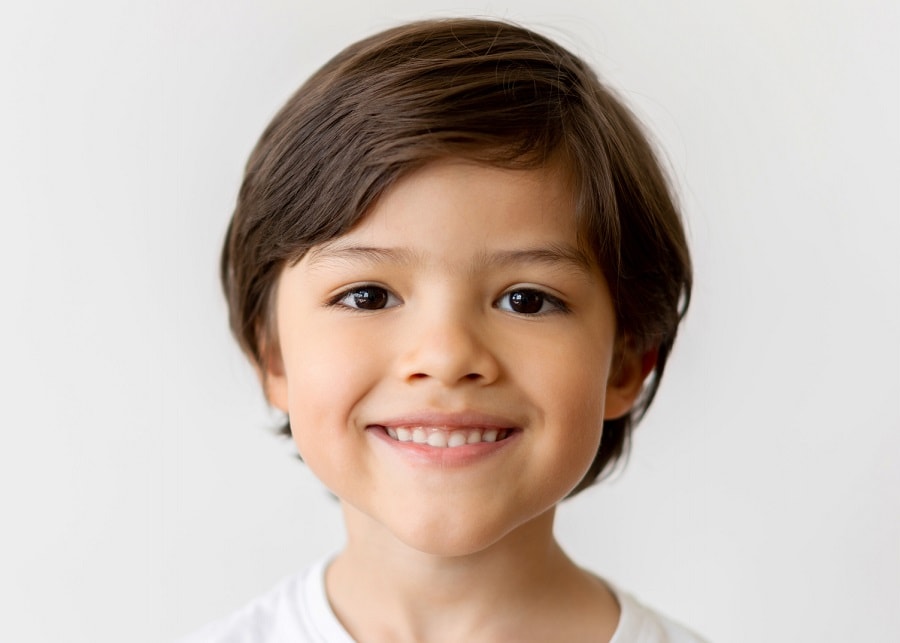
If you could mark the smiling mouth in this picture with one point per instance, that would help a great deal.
(444, 438)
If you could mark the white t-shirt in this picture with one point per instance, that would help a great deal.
(297, 611)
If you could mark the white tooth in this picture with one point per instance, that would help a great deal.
(392, 433)
(419, 436)
(490, 435)
(404, 435)
(456, 439)
(474, 436)
(438, 439)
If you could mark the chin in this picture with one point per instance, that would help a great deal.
(455, 534)
(450, 543)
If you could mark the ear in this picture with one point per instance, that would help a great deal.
(272, 375)
(629, 371)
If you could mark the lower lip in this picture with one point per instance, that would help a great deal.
(426, 455)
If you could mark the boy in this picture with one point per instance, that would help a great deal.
(457, 268)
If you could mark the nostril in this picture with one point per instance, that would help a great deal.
(468, 376)
(449, 361)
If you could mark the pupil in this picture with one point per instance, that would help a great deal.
(526, 301)
(370, 298)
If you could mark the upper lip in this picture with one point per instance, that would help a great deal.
(458, 420)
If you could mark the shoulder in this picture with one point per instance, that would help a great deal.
(640, 624)
(296, 610)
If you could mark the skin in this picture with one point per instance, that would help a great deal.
(464, 291)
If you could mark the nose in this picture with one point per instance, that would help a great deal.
(451, 347)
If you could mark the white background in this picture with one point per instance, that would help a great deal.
(142, 493)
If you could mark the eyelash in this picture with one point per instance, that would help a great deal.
(338, 300)
(558, 305)
(342, 298)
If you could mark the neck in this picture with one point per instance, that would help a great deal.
(382, 589)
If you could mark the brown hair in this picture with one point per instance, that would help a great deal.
(483, 90)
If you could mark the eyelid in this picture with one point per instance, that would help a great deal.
(559, 304)
(336, 300)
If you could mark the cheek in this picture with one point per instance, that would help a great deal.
(567, 378)
(322, 362)
(570, 388)
(327, 374)
(579, 429)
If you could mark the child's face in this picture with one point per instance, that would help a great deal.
(460, 310)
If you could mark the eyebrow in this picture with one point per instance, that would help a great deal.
(337, 252)
(551, 255)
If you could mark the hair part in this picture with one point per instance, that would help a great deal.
(482, 90)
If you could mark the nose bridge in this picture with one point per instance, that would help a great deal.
(447, 341)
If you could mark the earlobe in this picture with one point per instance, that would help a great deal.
(627, 380)
(272, 376)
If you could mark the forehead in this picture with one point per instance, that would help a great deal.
(456, 208)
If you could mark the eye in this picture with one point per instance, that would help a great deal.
(366, 297)
(528, 301)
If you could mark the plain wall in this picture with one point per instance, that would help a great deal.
(142, 492)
